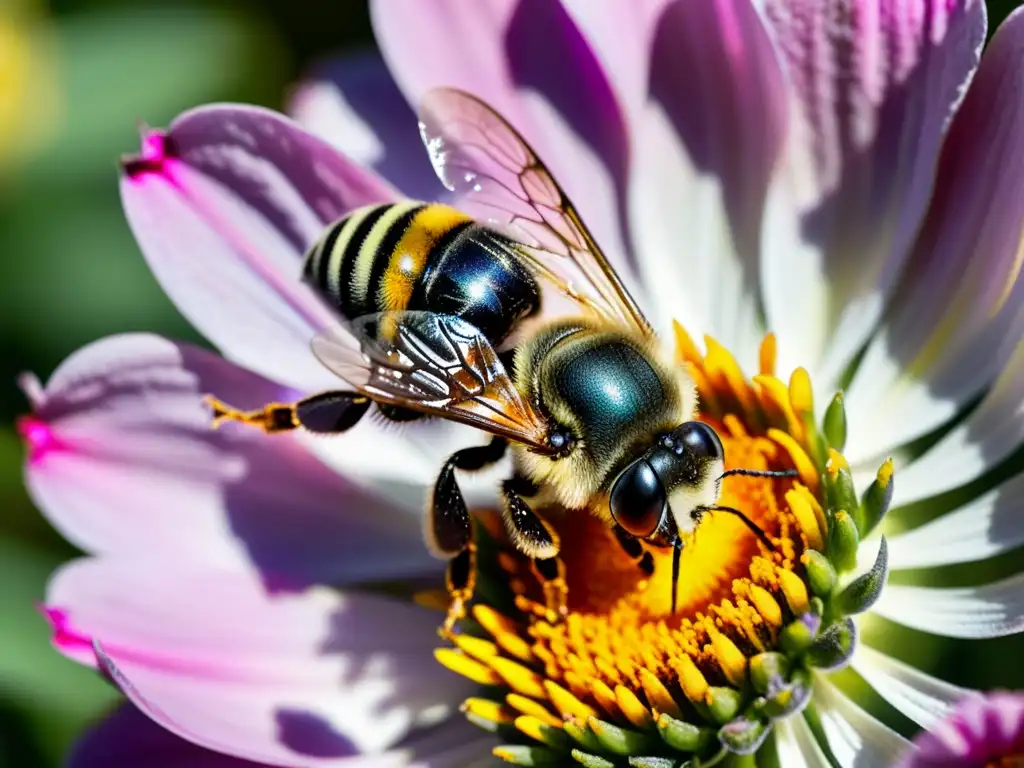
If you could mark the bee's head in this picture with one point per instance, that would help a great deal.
(660, 494)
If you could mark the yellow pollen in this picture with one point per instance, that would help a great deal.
(621, 658)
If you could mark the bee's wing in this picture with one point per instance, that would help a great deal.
(436, 364)
(476, 152)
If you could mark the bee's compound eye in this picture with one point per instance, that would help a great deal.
(638, 499)
(701, 440)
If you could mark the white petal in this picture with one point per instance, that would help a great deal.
(959, 305)
(919, 696)
(872, 91)
(796, 746)
(856, 739)
(988, 526)
(702, 167)
(991, 433)
(991, 610)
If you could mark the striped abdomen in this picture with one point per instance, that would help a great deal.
(422, 256)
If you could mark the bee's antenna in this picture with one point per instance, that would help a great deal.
(677, 552)
(749, 523)
(760, 473)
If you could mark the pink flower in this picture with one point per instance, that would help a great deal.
(981, 731)
(847, 178)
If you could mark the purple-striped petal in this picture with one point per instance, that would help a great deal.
(127, 737)
(299, 678)
(353, 103)
(528, 60)
(123, 460)
(224, 204)
(981, 731)
(874, 83)
(705, 148)
(959, 310)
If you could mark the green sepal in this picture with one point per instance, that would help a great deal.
(833, 648)
(723, 703)
(834, 423)
(821, 575)
(839, 490)
(582, 735)
(743, 735)
(789, 699)
(653, 762)
(528, 756)
(767, 669)
(683, 736)
(864, 591)
(619, 740)
(876, 500)
(843, 541)
(795, 638)
(591, 761)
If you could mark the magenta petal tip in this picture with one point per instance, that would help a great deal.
(155, 147)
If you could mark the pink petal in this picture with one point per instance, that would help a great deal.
(123, 460)
(353, 103)
(981, 730)
(705, 149)
(224, 204)
(303, 678)
(959, 311)
(528, 60)
(874, 84)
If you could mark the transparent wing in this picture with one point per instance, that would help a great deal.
(436, 364)
(477, 153)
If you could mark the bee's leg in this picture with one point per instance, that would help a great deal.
(533, 537)
(326, 413)
(634, 550)
(449, 529)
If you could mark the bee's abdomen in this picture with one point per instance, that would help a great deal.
(417, 256)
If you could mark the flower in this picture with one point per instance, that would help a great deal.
(848, 177)
(981, 731)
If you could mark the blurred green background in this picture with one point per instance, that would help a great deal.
(75, 77)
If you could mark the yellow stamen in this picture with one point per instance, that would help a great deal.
(795, 591)
(798, 456)
(801, 395)
(458, 662)
(486, 709)
(517, 677)
(482, 650)
(530, 707)
(686, 350)
(605, 698)
(566, 703)
(657, 694)
(693, 683)
(767, 355)
(633, 708)
(807, 520)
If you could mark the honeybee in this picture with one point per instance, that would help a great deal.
(595, 412)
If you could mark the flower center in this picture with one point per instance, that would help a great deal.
(622, 675)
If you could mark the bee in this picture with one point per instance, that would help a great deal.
(595, 413)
